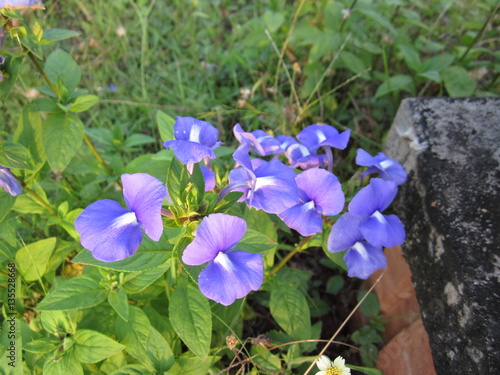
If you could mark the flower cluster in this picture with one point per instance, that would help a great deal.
(300, 198)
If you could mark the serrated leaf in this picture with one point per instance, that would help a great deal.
(189, 313)
(140, 261)
(159, 352)
(60, 67)
(29, 132)
(57, 322)
(138, 281)
(290, 310)
(80, 292)
(62, 136)
(119, 302)
(84, 102)
(32, 259)
(91, 346)
(255, 242)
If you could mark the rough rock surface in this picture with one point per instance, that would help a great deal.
(451, 210)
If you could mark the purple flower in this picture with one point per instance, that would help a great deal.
(320, 193)
(269, 186)
(388, 169)
(258, 140)
(361, 258)
(195, 140)
(230, 274)
(316, 136)
(368, 204)
(285, 141)
(209, 177)
(113, 232)
(9, 182)
(299, 156)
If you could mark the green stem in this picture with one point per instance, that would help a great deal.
(96, 153)
(290, 255)
(40, 200)
(479, 34)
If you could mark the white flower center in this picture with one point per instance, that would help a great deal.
(124, 220)
(264, 181)
(386, 164)
(360, 248)
(377, 215)
(321, 136)
(223, 260)
(194, 135)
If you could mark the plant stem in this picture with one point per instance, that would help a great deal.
(290, 255)
(40, 200)
(56, 91)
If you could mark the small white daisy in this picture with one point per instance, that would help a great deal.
(337, 367)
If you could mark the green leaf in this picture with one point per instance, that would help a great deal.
(377, 17)
(137, 140)
(119, 302)
(10, 71)
(177, 182)
(29, 132)
(6, 203)
(189, 313)
(265, 359)
(290, 310)
(273, 20)
(334, 284)
(41, 346)
(67, 364)
(32, 259)
(52, 35)
(62, 137)
(138, 281)
(91, 346)
(353, 63)
(187, 365)
(165, 126)
(134, 333)
(159, 352)
(438, 62)
(395, 83)
(84, 102)
(255, 242)
(80, 292)
(411, 56)
(457, 82)
(14, 155)
(140, 261)
(370, 306)
(47, 105)
(57, 322)
(60, 67)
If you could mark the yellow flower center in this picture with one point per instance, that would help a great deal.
(333, 371)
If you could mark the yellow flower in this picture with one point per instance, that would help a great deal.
(337, 367)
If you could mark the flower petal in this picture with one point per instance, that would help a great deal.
(216, 233)
(383, 230)
(258, 140)
(144, 195)
(189, 152)
(324, 363)
(231, 275)
(9, 182)
(345, 233)
(197, 131)
(363, 259)
(324, 188)
(109, 230)
(377, 196)
(209, 177)
(303, 218)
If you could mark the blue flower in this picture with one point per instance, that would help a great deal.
(229, 274)
(368, 204)
(388, 169)
(113, 232)
(300, 156)
(316, 136)
(194, 141)
(320, 193)
(285, 141)
(258, 140)
(269, 186)
(362, 258)
(9, 182)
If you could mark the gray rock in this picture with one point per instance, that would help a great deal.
(451, 210)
